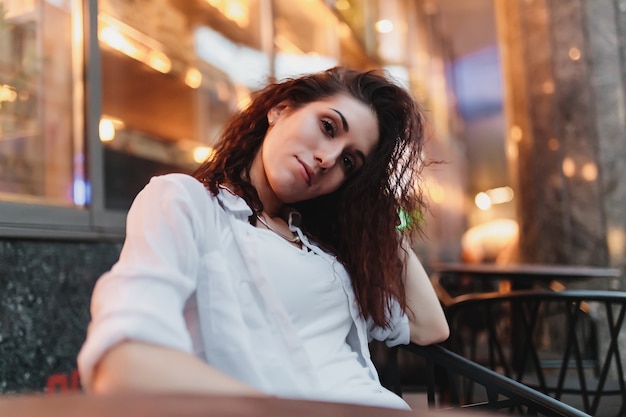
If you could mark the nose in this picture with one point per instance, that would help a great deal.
(327, 156)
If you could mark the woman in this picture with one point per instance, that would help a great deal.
(270, 269)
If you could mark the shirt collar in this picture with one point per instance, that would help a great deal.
(241, 210)
(233, 203)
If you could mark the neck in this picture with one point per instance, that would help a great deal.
(271, 205)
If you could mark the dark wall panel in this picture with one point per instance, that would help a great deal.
(45, 289)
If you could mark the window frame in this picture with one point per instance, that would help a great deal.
(27, 220)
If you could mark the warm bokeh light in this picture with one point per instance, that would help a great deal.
(235, 10)
(482, 201)
(589, 171)
(159, 61)
(116, 40)
(133, 43)
(490, 241)
(7, 93)
(202, 153)
(500, 195)
(574, 54)
(569, 167)
(384, 26)
(107, 130)
(193, 78)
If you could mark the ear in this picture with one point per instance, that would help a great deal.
(276, 111)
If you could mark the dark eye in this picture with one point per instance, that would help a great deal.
(348, 163)
(329, 128)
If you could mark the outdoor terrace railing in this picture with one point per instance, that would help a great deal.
(562, 343)
(447, 373)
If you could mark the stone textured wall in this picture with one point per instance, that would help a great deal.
(564, 74)
(604, 25)
(611, 96)
(565, 70)
(45, 288)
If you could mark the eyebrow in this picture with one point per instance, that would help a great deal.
(360, 155)
(344, 122)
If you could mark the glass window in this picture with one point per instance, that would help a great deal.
(310, 37)
(172, 73)
(305, 39)
(41, 140)
(360, 16)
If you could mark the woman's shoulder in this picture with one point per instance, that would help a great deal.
(177, 190)
(179, 183)
(176, 179)
(189, 189)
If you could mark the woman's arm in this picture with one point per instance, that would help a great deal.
(427, 322)
(138, 339)
(132, 366)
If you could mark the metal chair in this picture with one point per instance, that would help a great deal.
(447, 373)
(564, 344)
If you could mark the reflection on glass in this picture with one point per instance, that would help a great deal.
(245, 65)
(41, 149)
(358, 16)
(306, 37)
(173, 71)
(310, 37)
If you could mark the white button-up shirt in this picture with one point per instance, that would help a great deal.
(189, 278)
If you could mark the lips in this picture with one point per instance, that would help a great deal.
(307, 172)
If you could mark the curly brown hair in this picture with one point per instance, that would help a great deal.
(360, 222)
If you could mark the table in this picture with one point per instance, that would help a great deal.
(520, 276)
(527, 272)
(184, 405)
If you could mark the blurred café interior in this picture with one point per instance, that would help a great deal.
(525, 101)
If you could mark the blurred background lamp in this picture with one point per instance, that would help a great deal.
(482, 201)
(202, 153)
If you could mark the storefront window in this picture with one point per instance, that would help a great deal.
(172, 73)
(360, 16)
(310, 37)
(355, 14)
(41, 140)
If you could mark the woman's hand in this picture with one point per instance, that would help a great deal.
(132, 366)
(427, 321)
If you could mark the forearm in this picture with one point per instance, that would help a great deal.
(140, 367)
(427, 320)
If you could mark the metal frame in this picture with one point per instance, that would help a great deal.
(518, 353)
(501, 392)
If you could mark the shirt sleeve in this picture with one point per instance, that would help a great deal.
(397, 333)
(142, 297)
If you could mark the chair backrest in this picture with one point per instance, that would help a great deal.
(564, 344)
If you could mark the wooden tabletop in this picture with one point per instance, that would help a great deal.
(146, 405)
(535, 271)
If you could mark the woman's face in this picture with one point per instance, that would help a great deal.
(311, 150)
